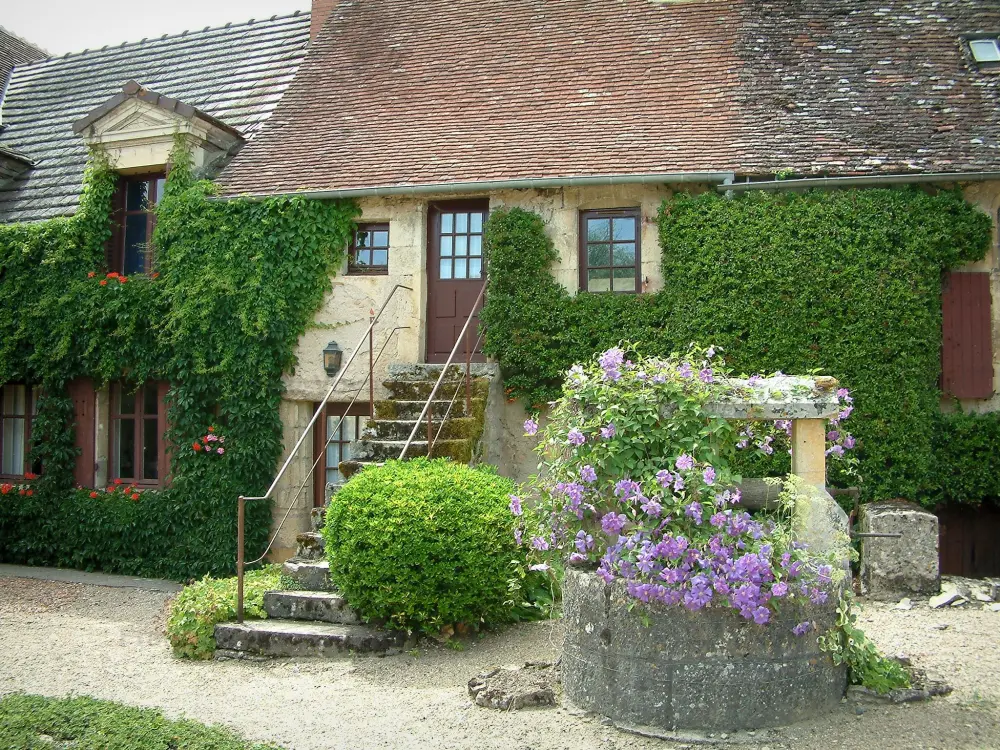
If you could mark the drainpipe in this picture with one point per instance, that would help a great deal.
(483, 186)
(859, 181)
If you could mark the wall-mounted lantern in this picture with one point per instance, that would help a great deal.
(333, 355)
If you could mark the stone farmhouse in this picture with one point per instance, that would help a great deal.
(589, 112)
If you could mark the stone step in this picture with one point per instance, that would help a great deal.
(416, 390)
(386, 450)
(308, 575)
(310, 546)
(400, 429)
(407, 371)
(402, 409)
(299, 638)
(349, 468)
(318, 518)
(321, 606)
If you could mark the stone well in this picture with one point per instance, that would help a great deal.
(709, 670)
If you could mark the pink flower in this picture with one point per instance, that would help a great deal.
(220, 451)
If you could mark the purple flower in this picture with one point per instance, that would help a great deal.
(817, 596)
(761, 615)
(576, 437)
(518, 536)
(626, 488)
(606, 575)
(832, 435)
(610, 361)
(608, 432)
(651, 508)
(584, 542)
(846, 412)
(538, 566)
(685, 370)
(754, 380)
(530, 426)
(515, 505)
(659, 378)
(779, 589)
(540, 543)
(718, 520)
(849, 442)
(678, 483)
(693, 510)
(706, 375)
(576, 558)
(802, 628)
(709, 475)
(664, 478)
(684, 462)
(843, 393)
(587, 474)
(613, 523)
(710, 352)
(837, 450)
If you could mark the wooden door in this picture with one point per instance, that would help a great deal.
(84, 403)
(455, 275)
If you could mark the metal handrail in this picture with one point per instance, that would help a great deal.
(451, 403)
(241, 500)
(444, 371)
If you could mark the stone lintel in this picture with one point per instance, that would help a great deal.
(783, 397)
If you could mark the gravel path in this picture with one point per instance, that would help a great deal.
(59, 638)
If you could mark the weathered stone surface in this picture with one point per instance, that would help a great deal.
(692, 670)
(310, 546)
(821, 524)
(322, 606)
(783, 397)
(890, 567)
(308, 575)
(514, 687)
(296, 638)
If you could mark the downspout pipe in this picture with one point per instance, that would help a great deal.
(484, 186)
(858, 181)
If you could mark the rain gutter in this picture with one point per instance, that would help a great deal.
(861, 181)
(483, 186)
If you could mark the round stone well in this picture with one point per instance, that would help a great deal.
(668, 668)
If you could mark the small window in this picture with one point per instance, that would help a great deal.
(17, 407)
(332, 443)
(985, 50)
(370, 249)
(135, 203)
(609, 250)
(138, 451)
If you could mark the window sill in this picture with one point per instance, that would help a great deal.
(377, 271)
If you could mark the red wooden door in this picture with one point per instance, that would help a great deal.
(84, 403)
(455, 275)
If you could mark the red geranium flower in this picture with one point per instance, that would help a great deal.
(118, 481)
(104, 282)
(92, 274)
(122, 279)
(29, 493)
(29, 476)
(211, 429)
(114, 275)
(154, 276)
(93, 494)
(135, 495)
(197, 446)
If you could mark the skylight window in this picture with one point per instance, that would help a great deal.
(985, 50)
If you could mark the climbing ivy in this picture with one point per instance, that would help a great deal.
(236, 283)
(847, 282)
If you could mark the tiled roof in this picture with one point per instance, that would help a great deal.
(16, 51)
(235, 73)
(410, 92)
(415, 91)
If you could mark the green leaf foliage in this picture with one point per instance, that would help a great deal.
(34, 722)
(423, 544)
(200, 606)
(237, 283)
(847, 282)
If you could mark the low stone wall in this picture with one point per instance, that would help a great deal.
(708, 670)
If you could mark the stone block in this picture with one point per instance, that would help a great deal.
(896, 567)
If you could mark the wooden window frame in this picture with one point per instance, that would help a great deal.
(353, 268)
(116, 248)
(140, 417)
(359, 409)
(585, 267)
(30, 401)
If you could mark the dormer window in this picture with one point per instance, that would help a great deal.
(985, 50)
(134, 219)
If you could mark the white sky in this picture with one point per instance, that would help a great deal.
(60, 26)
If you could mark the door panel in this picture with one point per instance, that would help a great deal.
(455, 274)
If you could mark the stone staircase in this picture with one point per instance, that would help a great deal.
(409, 387)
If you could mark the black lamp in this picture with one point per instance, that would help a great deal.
(333, 355)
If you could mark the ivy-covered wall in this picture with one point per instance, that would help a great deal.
(237, 283)
(844, 281)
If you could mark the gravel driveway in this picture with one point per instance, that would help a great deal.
(59, 638)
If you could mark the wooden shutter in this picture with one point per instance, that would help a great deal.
(967, 341)
(84, 405)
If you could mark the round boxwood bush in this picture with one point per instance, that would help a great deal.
(424, 543)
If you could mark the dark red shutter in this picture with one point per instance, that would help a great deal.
(84, 404)
(967, 340)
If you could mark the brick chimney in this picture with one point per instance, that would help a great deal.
(320, 12)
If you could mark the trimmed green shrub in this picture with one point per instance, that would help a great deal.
(197, 609)
(965, 448)
(88, 723)
(423, 544)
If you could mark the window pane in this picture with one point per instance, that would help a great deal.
(598, 255)
(14, 398)
(150, 405)
(380, 238)
(135, 244)
(161, 182)
(476, 222)
(446, 245)
(150, 449)
(476, 244)
(127, 402)
(363, 258)
(447, 224)
(124, 460)
(624, 279)
(625, 254)
(333, 459)
(598, 230)
(599, 280)
(137, 195)
(362, 239)
(624, 229)
(445, 268)
(13, 444)
(381, 257)
(332, 475)
(475, 268)
(461, 245)
(461, 268)
(461, 222)
(985, 50)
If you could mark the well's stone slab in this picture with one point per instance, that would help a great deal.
(891, 567)
(708, 670)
